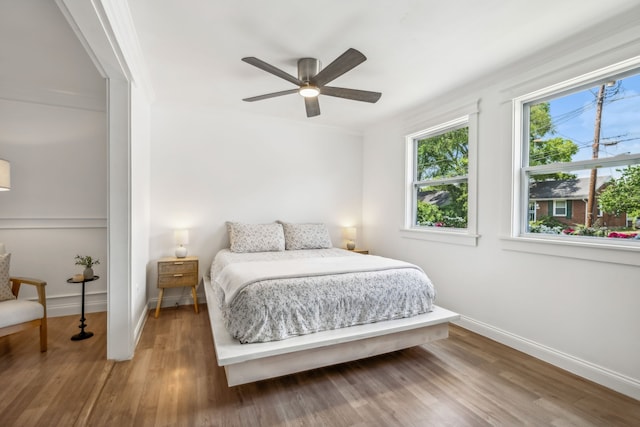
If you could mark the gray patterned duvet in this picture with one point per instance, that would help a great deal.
(280, 306)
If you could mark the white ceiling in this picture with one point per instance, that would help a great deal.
(416, 49)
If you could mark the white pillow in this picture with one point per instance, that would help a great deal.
(5, 283)
(306, 236)
(255, 237)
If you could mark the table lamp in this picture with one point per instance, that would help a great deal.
(350, 236)
(182, 238)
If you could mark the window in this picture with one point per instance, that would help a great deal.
(440, 176)
(559, 208)
(578, 144)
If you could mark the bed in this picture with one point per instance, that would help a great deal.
(281, 300)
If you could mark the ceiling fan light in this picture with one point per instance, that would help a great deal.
(309, 91)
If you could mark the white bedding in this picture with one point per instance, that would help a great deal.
(332, 296)
(234, 277)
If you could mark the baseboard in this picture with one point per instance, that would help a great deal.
(66, 305)
(598, 374)
(142, 320)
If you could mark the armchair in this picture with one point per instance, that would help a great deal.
(17, 315)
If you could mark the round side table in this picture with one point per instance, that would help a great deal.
(82, 335)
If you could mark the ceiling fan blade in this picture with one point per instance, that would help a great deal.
(354, 94)
(313, 106)
(270, 95)
(271, 69)
(345, 62)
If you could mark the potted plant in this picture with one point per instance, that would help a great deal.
(88, 262)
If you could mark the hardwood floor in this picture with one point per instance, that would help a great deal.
(173, 380)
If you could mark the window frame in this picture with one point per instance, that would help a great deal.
(464, 236)
(556, 206)
(521, 171)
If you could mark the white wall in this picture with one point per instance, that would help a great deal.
(56, 208)
(579, 314)
(210, 166)
(140, 204)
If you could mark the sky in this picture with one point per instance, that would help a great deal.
(574, 118)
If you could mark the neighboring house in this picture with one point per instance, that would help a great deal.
(566, 201)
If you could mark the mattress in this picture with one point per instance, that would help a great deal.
(284, 305)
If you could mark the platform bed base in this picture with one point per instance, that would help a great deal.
(245, 363)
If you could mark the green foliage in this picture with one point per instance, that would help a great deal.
(549, 221)
(451, 214)
(428, 214)
(87, 261)
(444, 155)
(550, 150)
(623, 194)
(596, 230)
(546, 225)
(540, 122)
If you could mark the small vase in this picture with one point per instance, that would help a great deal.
(88, 273)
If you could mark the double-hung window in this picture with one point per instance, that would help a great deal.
(441, 179)
(577, 146)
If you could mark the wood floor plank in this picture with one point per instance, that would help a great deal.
(465, 380)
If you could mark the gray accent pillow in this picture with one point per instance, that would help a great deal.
(306, 236)
(5, 282)
(255, 237)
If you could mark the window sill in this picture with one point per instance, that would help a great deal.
(454, 237)
(616, 252)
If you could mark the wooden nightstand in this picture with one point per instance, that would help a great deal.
(177, 272)
(361, 251)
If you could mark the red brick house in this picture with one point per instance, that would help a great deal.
(566, 201)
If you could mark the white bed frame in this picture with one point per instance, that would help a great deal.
(245, 363)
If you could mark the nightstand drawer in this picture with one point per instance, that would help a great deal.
(178, 267)
(177, 279)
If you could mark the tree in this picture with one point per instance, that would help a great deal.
(444, 156)
(623, 194)
(551, 150)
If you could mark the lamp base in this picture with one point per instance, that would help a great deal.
(351, 245)
(181, 252)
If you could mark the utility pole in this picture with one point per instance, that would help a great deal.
(592, 207)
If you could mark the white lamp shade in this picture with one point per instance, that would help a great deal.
(5, 175)
(182, 237)
(350, 233)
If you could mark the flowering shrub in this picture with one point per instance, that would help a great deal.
(623, 235)
(580, 230)
(544, 229)
(447, 221)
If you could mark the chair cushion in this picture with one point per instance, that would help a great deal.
(19, 311)
(5, 283)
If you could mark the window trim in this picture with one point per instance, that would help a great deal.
(556, 207)
(468, 236)
(518, 239)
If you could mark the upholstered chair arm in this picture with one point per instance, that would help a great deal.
(39, 284)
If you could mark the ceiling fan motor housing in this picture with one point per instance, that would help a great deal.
(307, 68)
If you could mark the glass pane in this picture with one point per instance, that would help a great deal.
(442, 205)
(601, 202)
(443, 156)
(599, 122)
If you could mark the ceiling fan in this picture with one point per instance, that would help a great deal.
(312, 79)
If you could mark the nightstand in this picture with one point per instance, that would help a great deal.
(177, 272)
(361, 251)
